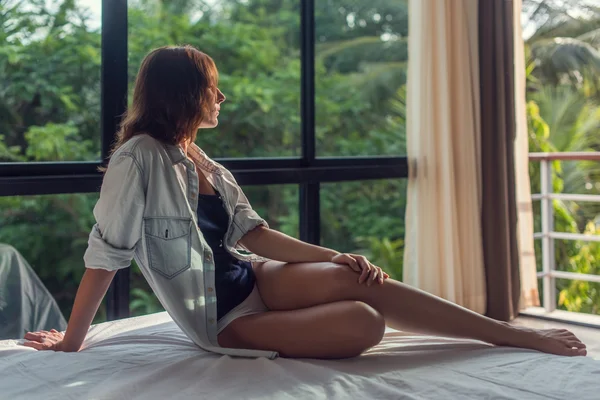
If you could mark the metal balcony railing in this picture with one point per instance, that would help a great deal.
(548, 235)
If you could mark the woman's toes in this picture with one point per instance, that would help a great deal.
(575, 348)
(576, 343)
(570, 352)
(577, 352)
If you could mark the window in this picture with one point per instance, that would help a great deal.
(361, 53)
(255, 47)
(51, 233)
(573, 257)
(578, 296)
(277, 204)
(50, 69)
(571, 219)
(366, 217)
(58, 109)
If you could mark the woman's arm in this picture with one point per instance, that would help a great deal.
(254, 234)
(93, 287)
(278, 246)
(111, 245)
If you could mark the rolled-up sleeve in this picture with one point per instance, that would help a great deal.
(244, 218)
(119, 213)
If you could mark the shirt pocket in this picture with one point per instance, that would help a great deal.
(168, 245)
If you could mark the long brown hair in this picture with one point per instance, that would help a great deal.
(174, 90)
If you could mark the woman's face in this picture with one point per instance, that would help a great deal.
(212, 120)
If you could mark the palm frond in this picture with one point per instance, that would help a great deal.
(328, 49)
(592, 37)
(375, 74)
(569, 27)
(540, 8)
(550, 22)
(573, 120)
(377, 82)
(556, 18)
(559, 57)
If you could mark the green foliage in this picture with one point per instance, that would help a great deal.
(564, 47)
(573, 123)
(564, 115)
(51, 232)
(59, 142)
(384, 253)
(50, 111)
(144, 302)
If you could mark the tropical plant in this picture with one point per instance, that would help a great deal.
(574, 122)
(564, 44)
(384, 253)
(563, 80)
(50, 111)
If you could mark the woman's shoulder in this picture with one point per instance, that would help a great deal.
(143, 148)
(139, 145)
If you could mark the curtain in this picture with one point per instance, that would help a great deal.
(529, 283)
(443, 252)
(499, 208)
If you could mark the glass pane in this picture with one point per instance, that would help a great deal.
(255, 46)
(537, 247)
(580, 177)
(577, 256)
(367, 218)
(537, 216)
(541, 290)
(142, 299)
(277, 204)
(361, 55)
(577, 217)
(50, 69)
(578, 296)
(51, 233)
(569, 177)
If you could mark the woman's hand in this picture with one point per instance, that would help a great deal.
(368, 272)
(44, 340)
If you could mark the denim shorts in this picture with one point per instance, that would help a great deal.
(253, 304)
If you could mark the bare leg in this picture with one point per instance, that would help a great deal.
(334, 330)
(292, 286)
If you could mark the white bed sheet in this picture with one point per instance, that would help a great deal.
(150, 358)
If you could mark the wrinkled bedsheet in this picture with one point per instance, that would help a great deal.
(150, 358)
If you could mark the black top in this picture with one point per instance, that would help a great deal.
(234, 279)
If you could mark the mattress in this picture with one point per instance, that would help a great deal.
(150, 358)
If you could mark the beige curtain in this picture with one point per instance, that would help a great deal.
(529, 284)
(443, 252)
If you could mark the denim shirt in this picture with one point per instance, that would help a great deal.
(146, 212)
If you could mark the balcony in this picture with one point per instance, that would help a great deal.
(550, 270)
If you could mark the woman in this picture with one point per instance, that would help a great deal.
(231, 283)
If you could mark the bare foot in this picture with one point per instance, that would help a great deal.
(553, 341)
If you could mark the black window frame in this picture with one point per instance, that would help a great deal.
(308, 170)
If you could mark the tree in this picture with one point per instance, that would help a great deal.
(50, 98)
(564, 115)
(571, 124)
(563, 44)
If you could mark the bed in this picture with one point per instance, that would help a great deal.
(150, 358)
